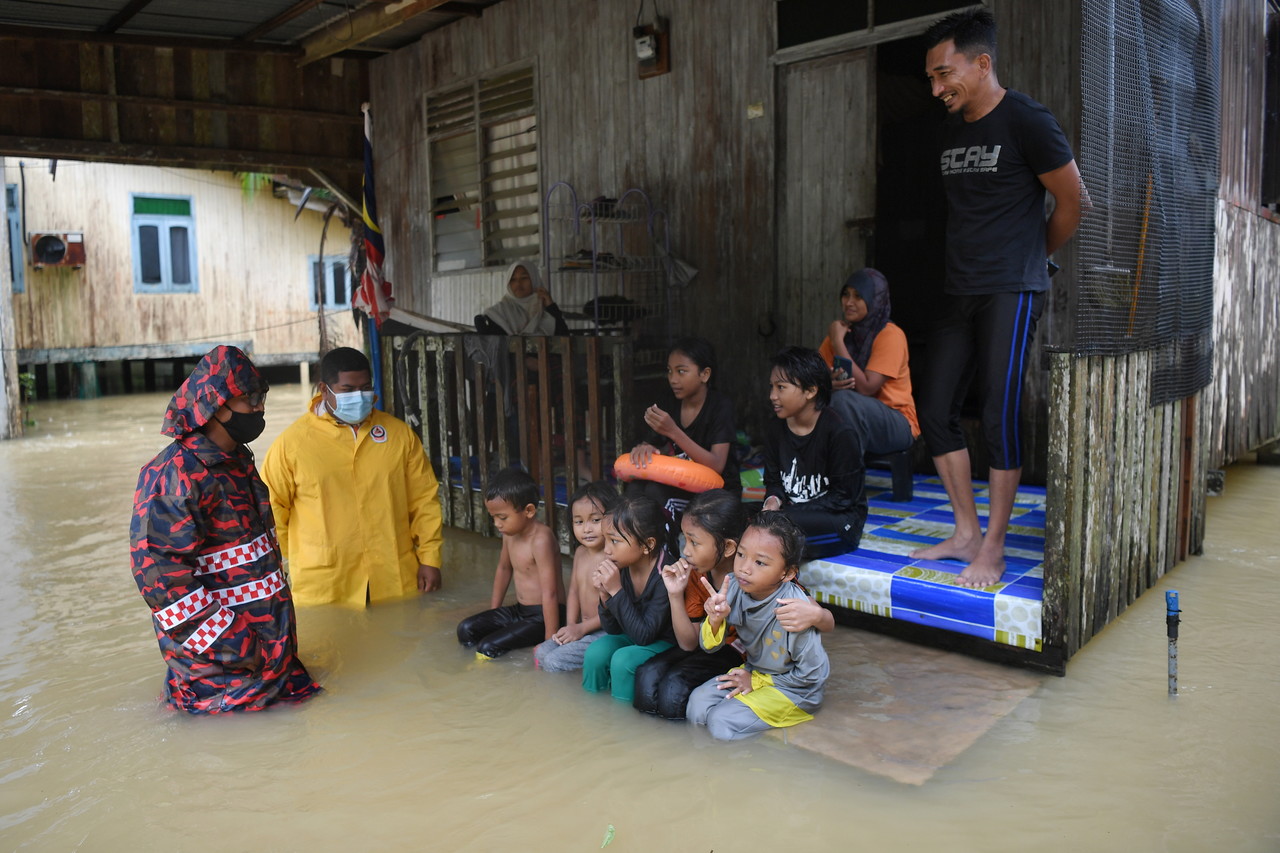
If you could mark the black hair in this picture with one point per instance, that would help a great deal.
(340, 360)
(973, 31)
(805, 367)
(639, 518)
(514, 486)
(720, 513)
(600, 493)
(699, 351)
(786, 531)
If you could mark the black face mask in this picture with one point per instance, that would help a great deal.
(244, 427)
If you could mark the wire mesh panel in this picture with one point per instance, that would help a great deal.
(1149, 158)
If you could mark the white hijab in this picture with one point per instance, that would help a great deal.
(522, 315)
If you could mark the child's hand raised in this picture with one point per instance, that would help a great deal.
(606, 577)
(717, 605)
(659, 421)
(676, 576)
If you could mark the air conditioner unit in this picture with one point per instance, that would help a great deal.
(57, 250)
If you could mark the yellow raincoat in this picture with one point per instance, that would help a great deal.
(355, 513)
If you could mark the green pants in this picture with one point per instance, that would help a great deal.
(612, 661)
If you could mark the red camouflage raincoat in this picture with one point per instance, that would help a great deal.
(206, 561)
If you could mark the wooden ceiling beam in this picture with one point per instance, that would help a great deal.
(297, 9)
(119, 19)
(43, 34)
(368, 22)
(181, 104)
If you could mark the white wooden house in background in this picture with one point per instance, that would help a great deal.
(156, 266)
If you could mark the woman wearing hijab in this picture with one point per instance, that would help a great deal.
(871, 379)
(526, 309)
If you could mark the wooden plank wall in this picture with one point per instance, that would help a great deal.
(254, 275)
(1243, 65)
(10, 398)
(1242, 408)
(1242, 403)
(1119, 477)
(683, 137)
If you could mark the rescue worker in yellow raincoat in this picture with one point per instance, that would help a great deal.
(354, 496)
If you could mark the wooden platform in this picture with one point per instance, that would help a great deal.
(904, 711)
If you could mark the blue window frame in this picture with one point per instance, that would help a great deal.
(17, 255)
(164, 245)
(329, 283)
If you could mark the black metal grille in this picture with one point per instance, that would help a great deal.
(1149, 159)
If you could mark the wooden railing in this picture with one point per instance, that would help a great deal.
(559, 407)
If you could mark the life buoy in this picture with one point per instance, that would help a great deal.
(670, 471)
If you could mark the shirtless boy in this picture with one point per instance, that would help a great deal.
(531, 557)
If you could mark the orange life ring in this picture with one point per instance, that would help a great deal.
(670, 471)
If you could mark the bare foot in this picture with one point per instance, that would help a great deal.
(953, 548)
(982, 572)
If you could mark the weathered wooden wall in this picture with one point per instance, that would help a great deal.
(1242, 403)
(1244, 61)
(683, 137)
(254, 275)
(1126, 491)
(10, 399)
(686, 139)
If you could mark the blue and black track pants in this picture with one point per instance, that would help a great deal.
(991, 336)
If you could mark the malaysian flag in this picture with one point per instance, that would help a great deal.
(373, 297)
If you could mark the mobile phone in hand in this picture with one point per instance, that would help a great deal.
(842, 363)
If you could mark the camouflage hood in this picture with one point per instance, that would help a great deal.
(223, 373)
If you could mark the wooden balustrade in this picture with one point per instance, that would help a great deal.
(559, 407)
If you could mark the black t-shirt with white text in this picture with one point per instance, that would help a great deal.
(995, 201)
(820, 471)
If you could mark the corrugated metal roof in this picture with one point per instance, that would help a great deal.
(229, 19)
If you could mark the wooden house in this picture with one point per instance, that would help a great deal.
(118, 271)
(778, 145)
(787, 143)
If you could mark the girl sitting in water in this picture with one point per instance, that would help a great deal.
(633, 599)
(782, 681)
(697, 423)
(566, 649)
(712, 525)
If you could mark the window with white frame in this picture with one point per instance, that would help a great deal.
(483, 167)
(164, 245)
(329, 282)
(17, 262)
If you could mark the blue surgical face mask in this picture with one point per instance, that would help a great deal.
(352, 407)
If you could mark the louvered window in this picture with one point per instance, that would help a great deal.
(483, 149)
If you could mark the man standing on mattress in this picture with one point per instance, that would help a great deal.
(354, 496)
(1001, 153)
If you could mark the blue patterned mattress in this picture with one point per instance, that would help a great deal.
(879, 578)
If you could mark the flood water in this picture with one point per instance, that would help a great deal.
(417, 746)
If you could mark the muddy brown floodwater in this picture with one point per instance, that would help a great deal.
(416, 746)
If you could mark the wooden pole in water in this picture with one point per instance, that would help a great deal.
(1171, 621)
